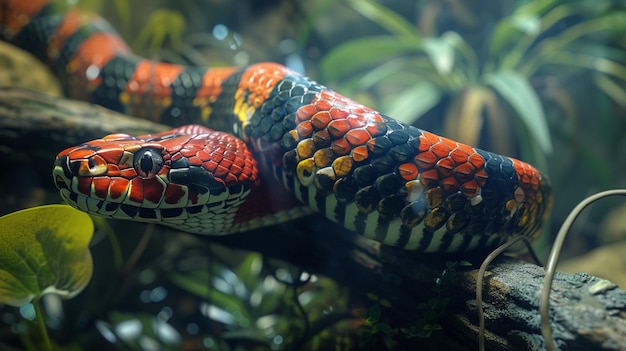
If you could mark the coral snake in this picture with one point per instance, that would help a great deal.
(294, 147)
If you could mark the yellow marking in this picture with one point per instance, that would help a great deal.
(342, 166)
(323, 157)
(306, 171)
(305, 148)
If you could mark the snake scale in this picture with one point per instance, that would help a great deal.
(286, 146)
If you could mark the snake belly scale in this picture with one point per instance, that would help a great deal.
(285, 146)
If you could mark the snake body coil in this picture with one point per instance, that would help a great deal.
(389, 181)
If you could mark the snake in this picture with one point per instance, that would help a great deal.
(261, 144)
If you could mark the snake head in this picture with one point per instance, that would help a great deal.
(174, 178)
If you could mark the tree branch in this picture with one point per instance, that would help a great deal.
(587, 312)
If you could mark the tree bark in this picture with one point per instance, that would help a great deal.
(427, 292)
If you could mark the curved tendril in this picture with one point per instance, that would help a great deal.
(479, 286)
(553, 258)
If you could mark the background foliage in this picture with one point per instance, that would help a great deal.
(543, 80)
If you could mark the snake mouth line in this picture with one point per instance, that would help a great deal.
(192, 219)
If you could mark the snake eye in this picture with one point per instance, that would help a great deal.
(147, 162)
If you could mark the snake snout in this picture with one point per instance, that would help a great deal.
(61, 173)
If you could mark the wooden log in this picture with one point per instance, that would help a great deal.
(431, 293)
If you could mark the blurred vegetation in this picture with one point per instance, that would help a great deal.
(543, 80)
(521, 78)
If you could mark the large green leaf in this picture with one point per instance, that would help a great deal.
(384, 17)
(358, 54)
(44, 250)
(414, 102)
(516, 90)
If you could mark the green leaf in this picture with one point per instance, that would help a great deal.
(517, 91)
(414, 102)
(374, 314)
(388, 19)
(161, 25)
(44, 250)
(359, 54)
(610, 88)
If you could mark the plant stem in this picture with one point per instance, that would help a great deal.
(42, 325)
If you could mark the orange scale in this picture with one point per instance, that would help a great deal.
(195, 161)
(481, 177)
(157, 146)
(360, 153)
(190, 141)
(239, 161)
(340, 147)
(173, 145)
(242, 177)
(304, 129)
(470, 189)
(305, 112)
(464, 172)
(440, 150)
(210, 166)
(338, 128)
(476, 160)
(113, 170)
(323, 105)
(100, 187)
(376, 118)
(187, 152)
(338, 113)
(408, 171)
(112, 155)
(459, 156)
(356, 121)
(424, 144)
(446, 166)
(376, 128)
(152, 190)
(226, 163)
(220, 172)
(466, 148)
(203, 155)
(357, 137)
(320, 120)
(429, 177)
(236, 169)
(432, 138)
(426, 160)
(230, 155)
(135, 192)
(327, 94)
(174, 193)
(451, 144)
(450, 184)
(128, 173)
(230, 179)
(82, 153)
(83, 185)
(118, 187)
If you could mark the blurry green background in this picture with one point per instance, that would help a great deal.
(543, 81)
